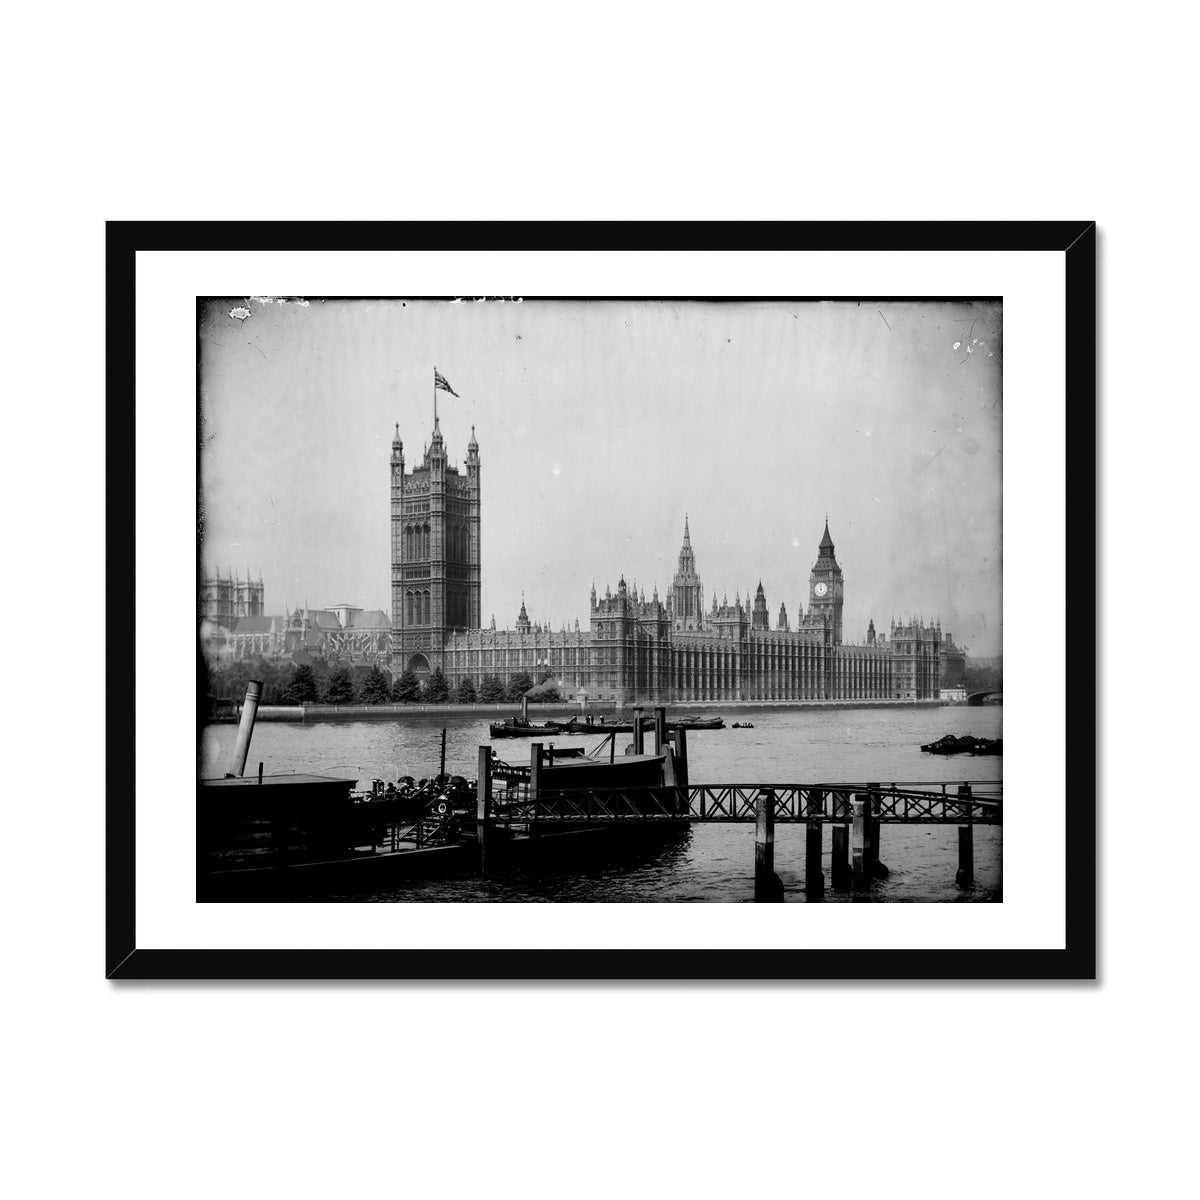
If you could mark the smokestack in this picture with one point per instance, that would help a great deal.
(524, 708)
(241, 747)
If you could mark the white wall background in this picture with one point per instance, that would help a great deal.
(138, 111)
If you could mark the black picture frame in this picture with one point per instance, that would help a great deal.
(1075, 961)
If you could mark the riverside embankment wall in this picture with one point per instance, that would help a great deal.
(537, 712)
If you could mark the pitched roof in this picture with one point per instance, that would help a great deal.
(372, 618)
(254, 625)
(826, 541)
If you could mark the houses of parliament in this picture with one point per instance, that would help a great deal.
(658, 650)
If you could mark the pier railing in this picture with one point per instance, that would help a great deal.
(855, 812)
(938, 804)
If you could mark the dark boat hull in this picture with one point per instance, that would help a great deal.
(523, 731)
(967, 744)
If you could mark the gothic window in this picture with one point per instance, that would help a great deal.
(425, 542)
(426, 596)
(408, 608)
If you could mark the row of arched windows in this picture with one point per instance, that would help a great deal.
(417, 544)
(416, 607)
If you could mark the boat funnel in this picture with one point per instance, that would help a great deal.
(241, 747)
(524, 708)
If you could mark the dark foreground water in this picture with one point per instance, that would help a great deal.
(711, 862)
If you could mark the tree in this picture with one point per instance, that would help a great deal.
(277, 678)
(519, 685)
(375, 688)
(406, 689)
(491, 690)
(465, 692)
(341, 686)
(983, 679)
(303, 688)
(437, 690)
(320, 670)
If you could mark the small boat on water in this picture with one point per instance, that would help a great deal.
(575, 725)
(515, 727)
(742, 725)
(967, 744)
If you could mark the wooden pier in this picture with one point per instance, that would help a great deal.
(856, 812)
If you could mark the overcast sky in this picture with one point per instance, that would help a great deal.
(599, 425)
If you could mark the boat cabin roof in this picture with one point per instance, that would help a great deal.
(603, 762)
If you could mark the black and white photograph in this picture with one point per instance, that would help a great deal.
(524, 599)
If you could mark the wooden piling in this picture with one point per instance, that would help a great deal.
(442, 772)
(681, 766)
(839, 867)
(767, 887)
(660, 729)
(639, 739)
(483, 804)
(535, 769)
(814, 880)
(878, 870)
(860, 861)
(965, 877)
(670, 777)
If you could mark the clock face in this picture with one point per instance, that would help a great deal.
(821, 589)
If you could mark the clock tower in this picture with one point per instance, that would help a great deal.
(825, 586)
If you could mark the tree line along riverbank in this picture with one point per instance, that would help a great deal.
(391, 712)
(368, 685)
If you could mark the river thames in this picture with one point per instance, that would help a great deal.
(710, 862)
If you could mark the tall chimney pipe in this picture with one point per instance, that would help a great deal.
(524, 708)
(241, 747)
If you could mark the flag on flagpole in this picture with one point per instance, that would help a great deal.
(440, 384)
